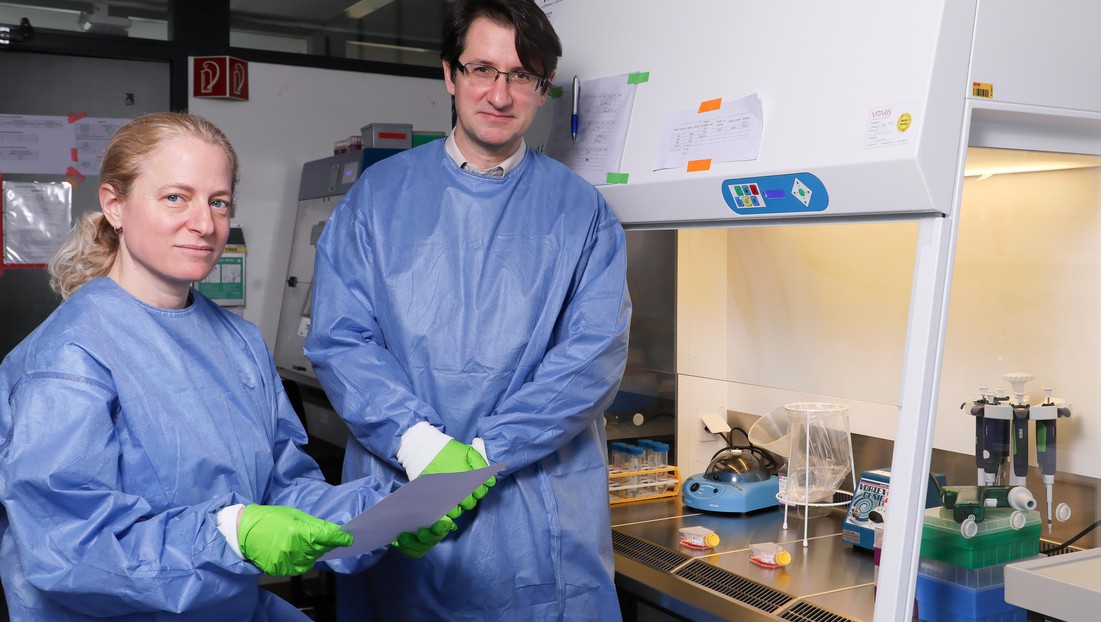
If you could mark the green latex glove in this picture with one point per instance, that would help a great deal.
(456, 457)
(284, 541)
(414, 545)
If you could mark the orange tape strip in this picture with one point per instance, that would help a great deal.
(711, 104)
(695, 166)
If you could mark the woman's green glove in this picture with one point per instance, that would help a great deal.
(284, 541)
(456, 457)
(414, 545)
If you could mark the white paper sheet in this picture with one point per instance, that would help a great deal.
(417, 504)
(604, 115)
(730, 133)
(35, 144)
(51, 145)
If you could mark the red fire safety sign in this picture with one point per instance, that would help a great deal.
(220, 76)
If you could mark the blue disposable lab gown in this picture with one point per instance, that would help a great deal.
(492, 308)
(123, 429)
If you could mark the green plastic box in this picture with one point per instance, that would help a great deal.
(420, 138)
(996, 542)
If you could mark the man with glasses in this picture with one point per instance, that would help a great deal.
(471, 307)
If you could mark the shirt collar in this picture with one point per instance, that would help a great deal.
(500, 170)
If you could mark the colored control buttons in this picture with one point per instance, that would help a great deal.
(776, 194)
(747, 195)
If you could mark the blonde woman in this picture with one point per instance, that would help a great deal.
(150, 463)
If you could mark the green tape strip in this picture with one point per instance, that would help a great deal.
(555, 91)
(617, 178)
(638, 77)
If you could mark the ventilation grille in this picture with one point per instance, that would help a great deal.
(649, 554)
(803, 612)
(1046, 548)
(740, 589)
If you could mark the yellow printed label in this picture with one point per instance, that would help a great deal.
(904, 121)
(982, 89)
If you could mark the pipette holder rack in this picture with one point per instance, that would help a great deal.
(991, 405)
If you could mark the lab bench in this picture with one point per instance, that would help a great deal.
(828, 580)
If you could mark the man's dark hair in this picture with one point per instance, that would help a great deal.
(537, 44)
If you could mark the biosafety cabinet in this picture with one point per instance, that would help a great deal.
(324, 182)
(866, 113)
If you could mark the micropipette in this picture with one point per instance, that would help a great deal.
(992, 420)
(1045, 457)
(1020, 428)
(1045, 449)
(980, 434)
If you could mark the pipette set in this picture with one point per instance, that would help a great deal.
(1002, 436)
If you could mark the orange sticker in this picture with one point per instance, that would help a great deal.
(695, 166)
(711, 104)
(72, 154)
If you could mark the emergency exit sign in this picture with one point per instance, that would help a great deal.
(220, 76)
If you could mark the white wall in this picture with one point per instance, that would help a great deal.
(293, 116)
(771, 315)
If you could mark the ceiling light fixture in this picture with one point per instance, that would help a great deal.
(364, 8)
(982, 162)
(99, 22)
(389, 46)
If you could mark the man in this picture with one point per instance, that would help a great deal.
(472, 307)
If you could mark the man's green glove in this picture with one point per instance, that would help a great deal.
(456, 457)
(284, 541)
(414, 545)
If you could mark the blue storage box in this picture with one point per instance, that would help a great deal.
(939, 601)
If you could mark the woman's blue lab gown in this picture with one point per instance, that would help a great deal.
(124, 428)
(492, 308)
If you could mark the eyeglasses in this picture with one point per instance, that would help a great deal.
(484, 76)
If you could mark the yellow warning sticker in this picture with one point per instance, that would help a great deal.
(904, 121)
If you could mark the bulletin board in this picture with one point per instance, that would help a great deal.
(65, 98)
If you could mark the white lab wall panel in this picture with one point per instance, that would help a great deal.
(1031, 52)
(820, 312)
(294, 115)
(834, 296)
(695, 398)
(1026, 297)
(818, 71)
(701, 303)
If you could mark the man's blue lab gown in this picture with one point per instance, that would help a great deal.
(493, 308)
(124, 428)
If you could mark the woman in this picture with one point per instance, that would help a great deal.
(150, 466)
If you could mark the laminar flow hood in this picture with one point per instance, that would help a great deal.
(868, 106)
